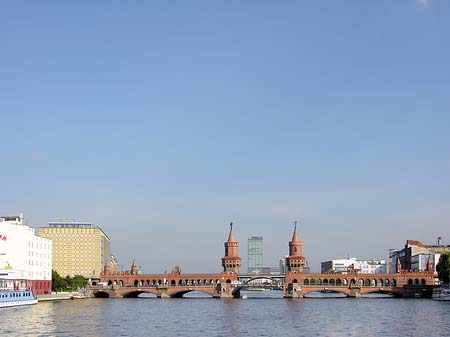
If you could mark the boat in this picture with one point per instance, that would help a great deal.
(75, 297)
(441, 294)
(15, 291)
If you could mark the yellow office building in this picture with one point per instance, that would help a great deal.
(79, 248)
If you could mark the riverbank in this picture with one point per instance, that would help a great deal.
(61, 296)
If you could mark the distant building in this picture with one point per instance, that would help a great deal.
(414, 255)
(255, 254)
(79, 248)
(283, 268)
(114, 265)
(23, 251)
(362, 266)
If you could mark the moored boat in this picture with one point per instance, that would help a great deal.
(14, 291)
(441, 294)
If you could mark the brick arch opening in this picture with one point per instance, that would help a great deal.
(181, 293)
(101, 294)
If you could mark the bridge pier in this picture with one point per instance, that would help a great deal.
(227, 291)
(292, 290)
(355, 292)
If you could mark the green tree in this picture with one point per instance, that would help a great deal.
(58, 283)
(77, 281)
(443, 268)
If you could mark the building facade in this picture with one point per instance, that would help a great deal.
(79, 248)
(255, 253)
(361, 266)
(413, 255)
(23, 251)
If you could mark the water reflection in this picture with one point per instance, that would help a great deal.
(215, 317)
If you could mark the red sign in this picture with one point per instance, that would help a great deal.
(2, 238)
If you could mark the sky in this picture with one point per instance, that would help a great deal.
(162, 122)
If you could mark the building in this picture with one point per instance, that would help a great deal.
(414, 253)
(282, 263)
(255, 254)
(361, 266)
(79, 248)
(22, 250)
(114, 265)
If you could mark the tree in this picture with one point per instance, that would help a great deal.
(67, 283)
(77, 281)
(58, 283)
(443, 268)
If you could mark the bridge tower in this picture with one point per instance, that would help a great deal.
(133, 268)
(295, 262)
(429, 266)
(398, 266)
(106, 269)
(231, 261)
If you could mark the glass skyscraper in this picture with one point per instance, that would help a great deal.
(255, 254)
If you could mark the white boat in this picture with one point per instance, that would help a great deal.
(14, 291)
(441, 294)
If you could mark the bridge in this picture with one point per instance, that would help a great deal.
(295, 283)
(354, 284)
(173, 284)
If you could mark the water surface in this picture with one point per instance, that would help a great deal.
(259, 316)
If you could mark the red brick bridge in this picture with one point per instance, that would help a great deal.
(354, 284)
(173, 284)
(297, 284)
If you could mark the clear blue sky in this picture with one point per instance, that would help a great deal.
(164, 121)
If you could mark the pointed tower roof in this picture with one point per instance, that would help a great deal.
(295, 235)
(429, 265)
(231, 235)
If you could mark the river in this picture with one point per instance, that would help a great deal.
(258, 315)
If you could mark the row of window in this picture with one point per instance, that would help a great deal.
(14, 295)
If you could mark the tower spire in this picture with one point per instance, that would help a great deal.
(295, 261)
(429, 265)
(231, 261)
(295, 235)
(231, 235)
(399, 265)
(133, 268)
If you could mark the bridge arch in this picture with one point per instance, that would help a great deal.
(136, 293)
(101, 294)
(308, 291)
(178, 293)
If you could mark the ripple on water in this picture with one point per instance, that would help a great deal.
(214, 317)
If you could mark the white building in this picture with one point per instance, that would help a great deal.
(361, 266)
(21, 249)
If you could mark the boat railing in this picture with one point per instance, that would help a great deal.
(15, 289)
